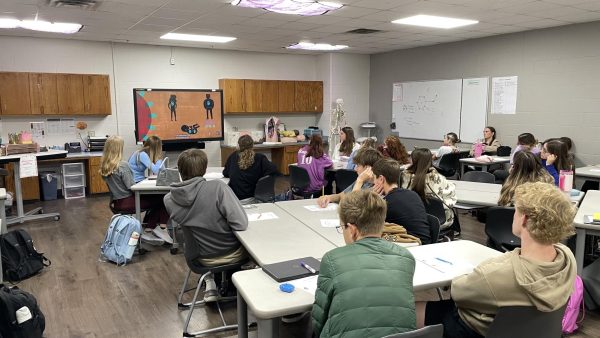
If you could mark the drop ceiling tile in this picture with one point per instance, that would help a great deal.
(543, 23)
(383, 4)
(153, 28)
(176, 14)
(352, 12)
(589, 5)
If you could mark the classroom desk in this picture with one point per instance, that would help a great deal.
(36, 213)
(312, 219)
(283, 238)
(260, 293)
(591, 172)
(589, 205)
(484, 165)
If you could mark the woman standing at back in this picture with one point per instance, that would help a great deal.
(347, 144)
(149, 157)
(245, 167)
(312, 158)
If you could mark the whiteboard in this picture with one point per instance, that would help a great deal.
(473, 116)
(427, 109)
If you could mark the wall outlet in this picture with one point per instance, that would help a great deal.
(172, 61)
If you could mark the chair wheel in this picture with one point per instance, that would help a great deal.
(41, 211)
(56, 218)
(173, 251)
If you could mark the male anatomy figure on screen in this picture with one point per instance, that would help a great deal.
(209, 105)
(173, 106)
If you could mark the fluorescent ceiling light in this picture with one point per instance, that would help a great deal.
(297, 7)
(435, 21)
(199, 38)
(42, 26)
(316, 46)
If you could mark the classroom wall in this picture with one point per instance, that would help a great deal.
(559, 81)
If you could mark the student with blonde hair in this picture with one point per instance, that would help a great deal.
(526, 167)
(540, 273)
(147, 158)
(119, 177)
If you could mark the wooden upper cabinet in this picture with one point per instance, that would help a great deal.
(233, 95)
(43, 92)
(253, 96)
(70, 94)
(270, 96)
(302, 96)
(96, 95)
(309, 96)
(286, 96)
(316, 96)
(14, 94)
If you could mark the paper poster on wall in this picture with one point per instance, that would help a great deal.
(397, 94)
(28, 166)
(37, 132)
(504, 95)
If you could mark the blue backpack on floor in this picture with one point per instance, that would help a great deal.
(121, 239)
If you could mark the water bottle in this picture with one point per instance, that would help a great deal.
(133, 241)
(478, 149)
(565, 180)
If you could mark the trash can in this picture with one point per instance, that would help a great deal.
(48, 185)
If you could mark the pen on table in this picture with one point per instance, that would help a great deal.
(260, 214)
(443, 260)
(308, 267)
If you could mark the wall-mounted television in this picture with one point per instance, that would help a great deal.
(178, 116)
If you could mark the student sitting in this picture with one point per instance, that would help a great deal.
(405, 208)
(367, 143)
(315, 161)
(490, 143)
(526, 168)
(347, 144)
(364, 159)
(422, 178)
(541, 273)
(527, 142)
(448, 147)
(364, 289)
(147, 158)
(245, 167)
(118, 176)
(393, 148)
(555, 157)
(212, 212)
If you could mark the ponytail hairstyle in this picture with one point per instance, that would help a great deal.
(246, 152)
(493, 130)
(153, 147)
(111, 155)
(421, 163)
(315, 146)
(527, 139)
(453, 138)
(348, 144)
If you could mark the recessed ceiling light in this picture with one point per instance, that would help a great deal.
(199, 38)
(316, 46)
(297, 7)
(42, 26)
(435, 21)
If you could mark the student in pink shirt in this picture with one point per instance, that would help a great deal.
(315, 161)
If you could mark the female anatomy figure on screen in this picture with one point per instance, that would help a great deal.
(173, 106)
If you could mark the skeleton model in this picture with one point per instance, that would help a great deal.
(337, 120)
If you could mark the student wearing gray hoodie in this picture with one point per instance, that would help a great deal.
(211, 212)
(541, 273)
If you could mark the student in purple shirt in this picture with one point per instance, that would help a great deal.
(315, 161)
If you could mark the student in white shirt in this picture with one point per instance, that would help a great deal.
(449, 146)
(347, 144)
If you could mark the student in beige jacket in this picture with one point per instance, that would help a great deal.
(541, 273)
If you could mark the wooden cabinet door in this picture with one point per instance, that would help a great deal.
(96, 95)
(233, 95)
(70, 94)
(43, 92)
(309, 96)
(253, 96)
(286, 96)
(95, 182)
(14, 94)
(290, 156)
(302, 96)
(30, 186)
(270, 96)
(316, 96)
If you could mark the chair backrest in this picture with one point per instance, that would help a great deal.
(503, 151)
(431, 331)
(435, 207)
(526, 321)
(434, 228)
(344, 178)
(265, 189)
(449, 164)
(498, 228)
(478, 176)
(299, 179)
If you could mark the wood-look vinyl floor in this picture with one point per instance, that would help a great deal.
(82, 296)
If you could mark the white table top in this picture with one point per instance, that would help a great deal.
(592, 171)
(589, 205)
(50, 152)
(312, 219)
(150, 185)
(496, 159)
(284, 238)
(265, 300)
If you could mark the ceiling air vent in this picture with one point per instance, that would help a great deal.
(82, 4)
(363, 31)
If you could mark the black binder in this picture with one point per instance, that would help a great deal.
(292, 269)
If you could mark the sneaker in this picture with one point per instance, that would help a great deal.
(211, 296)
(151, 239)
(162, 234)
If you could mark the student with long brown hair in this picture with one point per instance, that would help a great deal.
(312, 158)
(555, 157)
(526, 167)
(147, 158)
(347, 144)
(245, 167)
(393, 148)
(422, 178)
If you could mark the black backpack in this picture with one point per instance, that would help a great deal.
(19, 258)
(20, 316)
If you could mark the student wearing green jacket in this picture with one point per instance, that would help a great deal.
(365, 289)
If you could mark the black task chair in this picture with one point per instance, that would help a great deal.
(434, 228)
(498, 228)
(344, 178)
(478, 176)
(431, 331)
(526, 322)
(265, 189)
(203, 271)
(503, 151)
(435, 207)
(299, 181)
(449, 164)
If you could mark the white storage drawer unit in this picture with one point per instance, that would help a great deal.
(73, 180)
